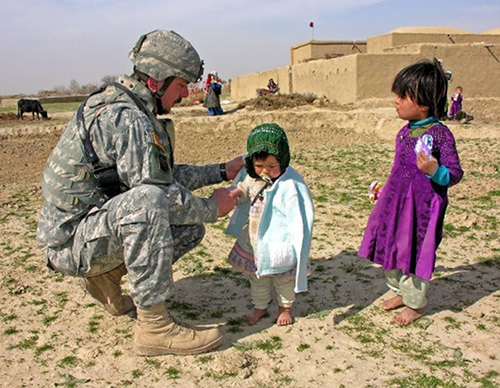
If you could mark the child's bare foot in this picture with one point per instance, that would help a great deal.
(407, 316)
(393, 303)
(284, 316)
(257, 315)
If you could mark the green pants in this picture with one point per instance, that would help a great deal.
(412, 288)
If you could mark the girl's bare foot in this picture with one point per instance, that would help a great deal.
(284, 316)
(407, 316)
(393, 303)
(257, 315)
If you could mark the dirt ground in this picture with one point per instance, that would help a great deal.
(52, 334)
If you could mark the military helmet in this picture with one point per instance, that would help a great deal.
(163, 54)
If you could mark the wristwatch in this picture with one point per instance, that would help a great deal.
(223, 172)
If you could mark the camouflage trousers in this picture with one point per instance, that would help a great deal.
(142, 229)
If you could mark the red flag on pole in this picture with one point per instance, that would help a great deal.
(311, 24)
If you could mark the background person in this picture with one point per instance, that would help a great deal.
(272, 86)
(456, 102)
(212, 99)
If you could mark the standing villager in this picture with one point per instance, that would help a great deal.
(115, 202)
(212, 99)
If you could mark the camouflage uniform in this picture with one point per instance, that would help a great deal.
(147, 227)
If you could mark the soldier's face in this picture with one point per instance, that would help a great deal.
(174, 94)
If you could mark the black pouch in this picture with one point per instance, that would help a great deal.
(108, 181)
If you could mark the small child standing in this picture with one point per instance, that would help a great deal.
(456, 102)
(406, 225)
(273, 247)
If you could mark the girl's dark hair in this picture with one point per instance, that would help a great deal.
(261, 155)
(425, 83)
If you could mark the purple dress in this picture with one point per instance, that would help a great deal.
(456, 104)
(406, 225)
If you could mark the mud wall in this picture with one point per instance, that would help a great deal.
(475, 67)
(378, 44)
(300, 53)
(353, 78)
(9, 102)
(6, 102)
(313, 50)
(333, 78)
(376, 72)
(51, 100)
(244, 87)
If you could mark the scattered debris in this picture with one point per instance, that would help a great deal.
(272, 102)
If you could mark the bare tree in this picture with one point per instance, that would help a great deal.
(107, 79)
(74, 86)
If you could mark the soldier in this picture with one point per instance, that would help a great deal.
(115, 202)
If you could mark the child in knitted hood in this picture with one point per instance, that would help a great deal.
(273, 224)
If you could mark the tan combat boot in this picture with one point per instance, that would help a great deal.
(156, 333)
(106, 290)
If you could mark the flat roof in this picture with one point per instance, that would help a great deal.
(329, 42)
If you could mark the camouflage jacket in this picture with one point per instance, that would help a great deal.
(138, 144)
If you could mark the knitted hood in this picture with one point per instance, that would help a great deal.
(270, 138)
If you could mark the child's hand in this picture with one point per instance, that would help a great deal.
(235, 193)
(425, 164)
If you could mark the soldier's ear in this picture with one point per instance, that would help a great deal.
(153, 84)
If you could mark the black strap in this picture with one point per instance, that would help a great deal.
(259, 193)
(82, 129)
(134, 98)
(84, 134)
(107, 177)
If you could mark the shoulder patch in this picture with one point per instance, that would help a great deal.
(157, 142)
(161, 153)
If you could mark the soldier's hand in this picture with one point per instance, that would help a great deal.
(225, 201)
(234, 166)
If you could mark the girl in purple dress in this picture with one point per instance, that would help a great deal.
(406, 225)
(456, 102)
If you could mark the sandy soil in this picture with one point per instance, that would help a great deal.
(53, 335)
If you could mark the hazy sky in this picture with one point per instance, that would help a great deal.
(47, 43)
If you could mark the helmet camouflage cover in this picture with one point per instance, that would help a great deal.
(163, 54)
